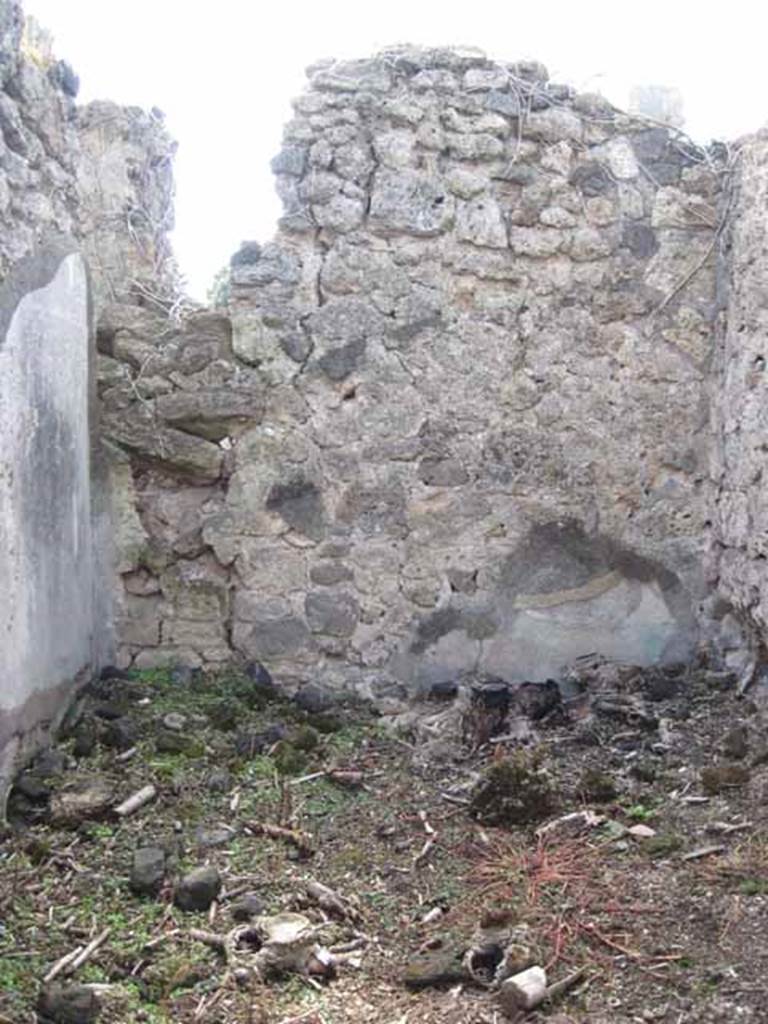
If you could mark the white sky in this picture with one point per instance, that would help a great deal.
(225, 71)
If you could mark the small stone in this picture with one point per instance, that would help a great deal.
(119, 734)
(85, 741)
(219, 781)
(641, 831)
(246, 907)
(314, 698)
(50, 764)
(445, 690)
(111, 672)
(537, 700)
(719, 777)
(736, 743)
(332, 614)
(175, 721)
(211, 837)
(441, 967)
(261, 678)
(198, 889)
(182, 675)
(177, 743)
(32, 788)
(109, 710)
(305, 738)
(662, 845)
(85, 799)
(250, 744)
(147, 870)
(68, 1004)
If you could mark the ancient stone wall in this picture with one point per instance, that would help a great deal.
(738, 554)
(460, 422)
(38, 143)
(56, 552)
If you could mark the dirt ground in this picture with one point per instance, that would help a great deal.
(659, 893)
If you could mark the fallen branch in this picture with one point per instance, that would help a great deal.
(89, 950)
(557, 988)
(302, 841)
(136, 801)
(424, 852)
(61, 963)
(703, 851)
(346, 779)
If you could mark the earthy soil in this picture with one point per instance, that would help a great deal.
(661, 936)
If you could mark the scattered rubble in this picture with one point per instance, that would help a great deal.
(451, 881)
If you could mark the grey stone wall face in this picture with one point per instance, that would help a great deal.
(457, 420)
(55, 534)
(38, 142)
(54, 633)
(738, 549)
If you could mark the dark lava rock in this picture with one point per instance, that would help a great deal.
(109, 709)
(736, 743)
(219, 781)
(50, 764)
(147, 870)
(657, 685)
(119, 734)
(261, 678)
(436, 968)
(85, 740)
(110, 672)
(32, 788)
(198, 889)
(314, 698)
(537, 700)
(246, 907)
(20, 810)
(445, 690)
(68, 1004)
(512, 792)
(182, 675)
(487, 713)
(491, 694)
(251, 744)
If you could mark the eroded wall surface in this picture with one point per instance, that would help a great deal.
(739, 535)
(55, 546)
(460, 421)
(53, 631)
